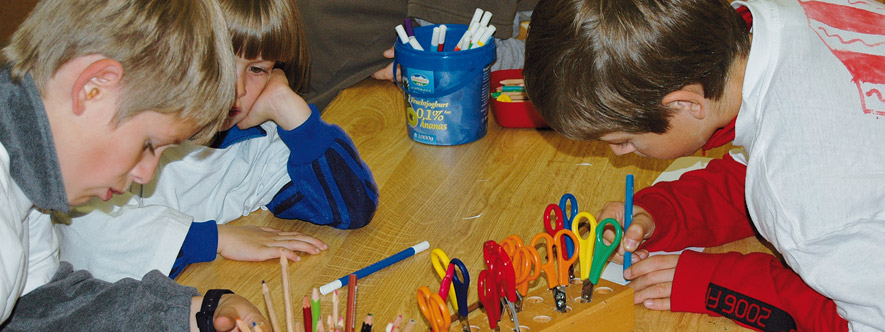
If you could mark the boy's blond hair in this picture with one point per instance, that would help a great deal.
(272, 30)
(176, 55)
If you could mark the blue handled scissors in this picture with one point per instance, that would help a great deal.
(594, 246)
(462, 287)
(569, 206)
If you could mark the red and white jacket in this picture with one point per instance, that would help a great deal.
(811, 180)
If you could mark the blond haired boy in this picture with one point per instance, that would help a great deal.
(93, 92)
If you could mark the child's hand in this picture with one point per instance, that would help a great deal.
(386, 73)
(641, 228)
(252, 243)
(232, 307)
(652, 280)
(277, 102)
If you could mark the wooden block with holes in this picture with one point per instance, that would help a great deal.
(610, 311)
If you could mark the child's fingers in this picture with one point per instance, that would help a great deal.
(653, 280)
(614, 210)
(290, 255)
(652, 292)
(651, 264)
(657, 304)
(317, 243)
(389, 53)
(299, 246)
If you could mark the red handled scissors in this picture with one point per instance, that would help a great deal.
(526, 265)
(488, 296)
(503, 275)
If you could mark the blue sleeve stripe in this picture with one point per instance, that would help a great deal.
(356, 200)
(288, 203)
(349, 149)
(333, 204)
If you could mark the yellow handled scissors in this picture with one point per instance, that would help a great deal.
(440, 262)
(434, 309)
(585, 255)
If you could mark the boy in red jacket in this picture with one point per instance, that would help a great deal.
(800, 92)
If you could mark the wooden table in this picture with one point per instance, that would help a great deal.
(456, 198)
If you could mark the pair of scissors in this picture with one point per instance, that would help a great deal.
(526, 265)
(434, 309)
(440, 262)
(560, 221)
(488, 296)
(594, 249)
(569, 206)
(503, 276)
(556, 266)
(461, 285)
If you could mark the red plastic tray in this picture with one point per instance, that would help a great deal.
(513, 114)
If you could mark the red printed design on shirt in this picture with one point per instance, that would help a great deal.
(854, 30)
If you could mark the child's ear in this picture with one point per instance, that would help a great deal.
(690, 98)
(96, 80)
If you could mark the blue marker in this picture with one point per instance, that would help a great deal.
(409, 252)
(628, 217)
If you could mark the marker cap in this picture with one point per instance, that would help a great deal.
(401, 32)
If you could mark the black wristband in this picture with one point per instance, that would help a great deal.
(207, 309)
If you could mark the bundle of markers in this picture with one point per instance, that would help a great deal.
(478, 33)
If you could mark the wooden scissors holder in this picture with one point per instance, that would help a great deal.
(610, 311)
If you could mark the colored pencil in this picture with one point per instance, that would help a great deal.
(287, 300)
(270, 309)
(306, 315)
(350, 320)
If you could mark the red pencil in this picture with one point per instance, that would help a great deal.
(349, 321)
(308, 318)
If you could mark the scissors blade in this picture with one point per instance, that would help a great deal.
(587, 291)
(465, 324)
(559, 298)
(513, 316)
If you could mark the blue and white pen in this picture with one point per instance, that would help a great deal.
(628, 217)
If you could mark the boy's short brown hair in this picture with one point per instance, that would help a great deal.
(176, 55)
(272, 30)
(594, 67)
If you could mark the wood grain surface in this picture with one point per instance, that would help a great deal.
(455, 197)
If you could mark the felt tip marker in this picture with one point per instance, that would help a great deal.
(408, 24)
(401, 32)
(628, 216)
(442, 38)
(486, 17)
(464, 43)
(486, 36)
(375, 267)
(434, 39)
(415, 44)
(477, 14)
(474, 39)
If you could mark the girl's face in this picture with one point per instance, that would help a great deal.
(252, 76)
